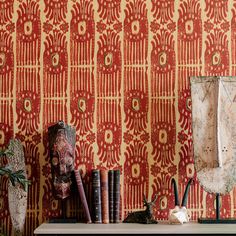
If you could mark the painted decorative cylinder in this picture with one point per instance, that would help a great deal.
(62, 154)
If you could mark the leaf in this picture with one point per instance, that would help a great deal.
(2, 171)
(5, 171)
(9, 153)
(21, 176)
(6, 152)
(12, 180)
(8, 170)
(19, 172)
(2, 153)
(15, 177)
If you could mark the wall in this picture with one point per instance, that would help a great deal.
(119, 72)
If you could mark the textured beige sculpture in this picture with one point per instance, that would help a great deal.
(214, 132)
(17, 195)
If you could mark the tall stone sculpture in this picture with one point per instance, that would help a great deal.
(17, 195)
(214, 135)
(62, 154)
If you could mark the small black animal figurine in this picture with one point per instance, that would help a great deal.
(142, 217)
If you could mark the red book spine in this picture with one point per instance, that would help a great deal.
(82, 196)
(104, 195)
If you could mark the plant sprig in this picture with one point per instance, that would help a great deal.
(5, 153)
(14, 177)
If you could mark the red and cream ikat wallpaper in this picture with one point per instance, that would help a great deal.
(117, 70)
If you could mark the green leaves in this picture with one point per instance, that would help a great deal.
(6, 153)
(15, 177)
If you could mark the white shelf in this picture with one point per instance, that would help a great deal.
(129, 228)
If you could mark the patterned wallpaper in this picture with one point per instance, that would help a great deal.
(117, 70)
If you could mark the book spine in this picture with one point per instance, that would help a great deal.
(104, 196)
(82, 196)
(111, 195)
(96, 192)
(116, 196)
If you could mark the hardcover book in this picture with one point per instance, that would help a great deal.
(96, 196)
(104, 196)
(116, 196)
(82, 196)
(111, 195)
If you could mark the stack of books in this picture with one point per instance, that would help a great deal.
(106, 196)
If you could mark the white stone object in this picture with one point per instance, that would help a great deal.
(214, 132)
(179, 215)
